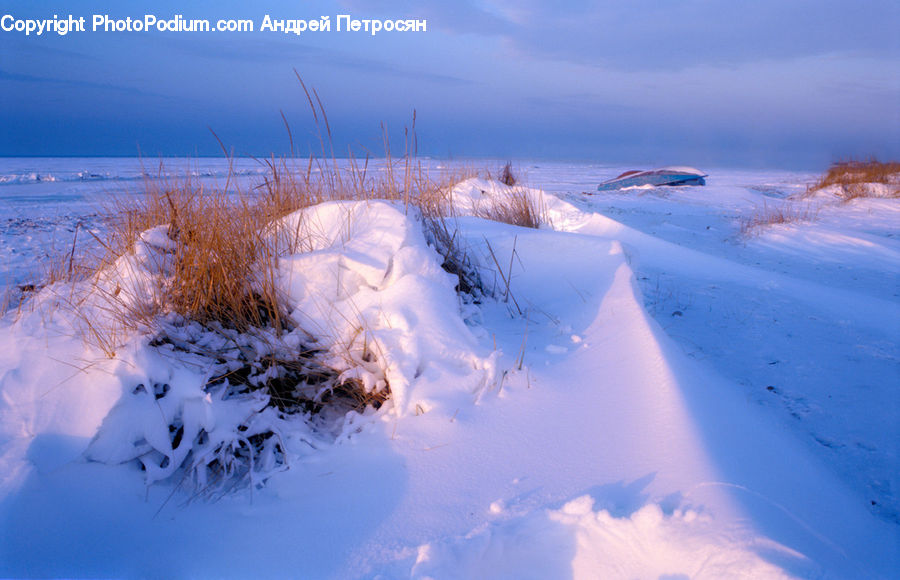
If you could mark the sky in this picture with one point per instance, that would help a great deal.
(768, 83)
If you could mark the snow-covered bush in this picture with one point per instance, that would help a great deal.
(217, 405)
(368, 315)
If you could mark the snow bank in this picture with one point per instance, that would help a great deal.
(55, 390)
(372, 292)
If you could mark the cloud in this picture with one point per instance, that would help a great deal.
(648, 34)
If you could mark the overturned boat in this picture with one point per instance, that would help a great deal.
(662, 176)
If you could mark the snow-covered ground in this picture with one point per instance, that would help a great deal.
(661, 395)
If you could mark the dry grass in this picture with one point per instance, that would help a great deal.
(785, 213)
(221, 266)
(445, 238)
(507, 177)
(517, 207)
(851, 178)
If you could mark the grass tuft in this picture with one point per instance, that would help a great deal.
(506, 175)
(211, 248)
(515, 207)
(852, 178)
(770, 215)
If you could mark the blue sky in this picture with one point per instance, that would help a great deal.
(787, 83)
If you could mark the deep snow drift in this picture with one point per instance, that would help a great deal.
(674, 399)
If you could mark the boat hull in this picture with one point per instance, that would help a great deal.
(658, 177)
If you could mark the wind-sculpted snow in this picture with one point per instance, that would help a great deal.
(579, 541)
(648, 425)
(371, 291)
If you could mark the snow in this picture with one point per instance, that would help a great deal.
(368, 281)
(588, 544)
(675, 400)
(683, 169)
